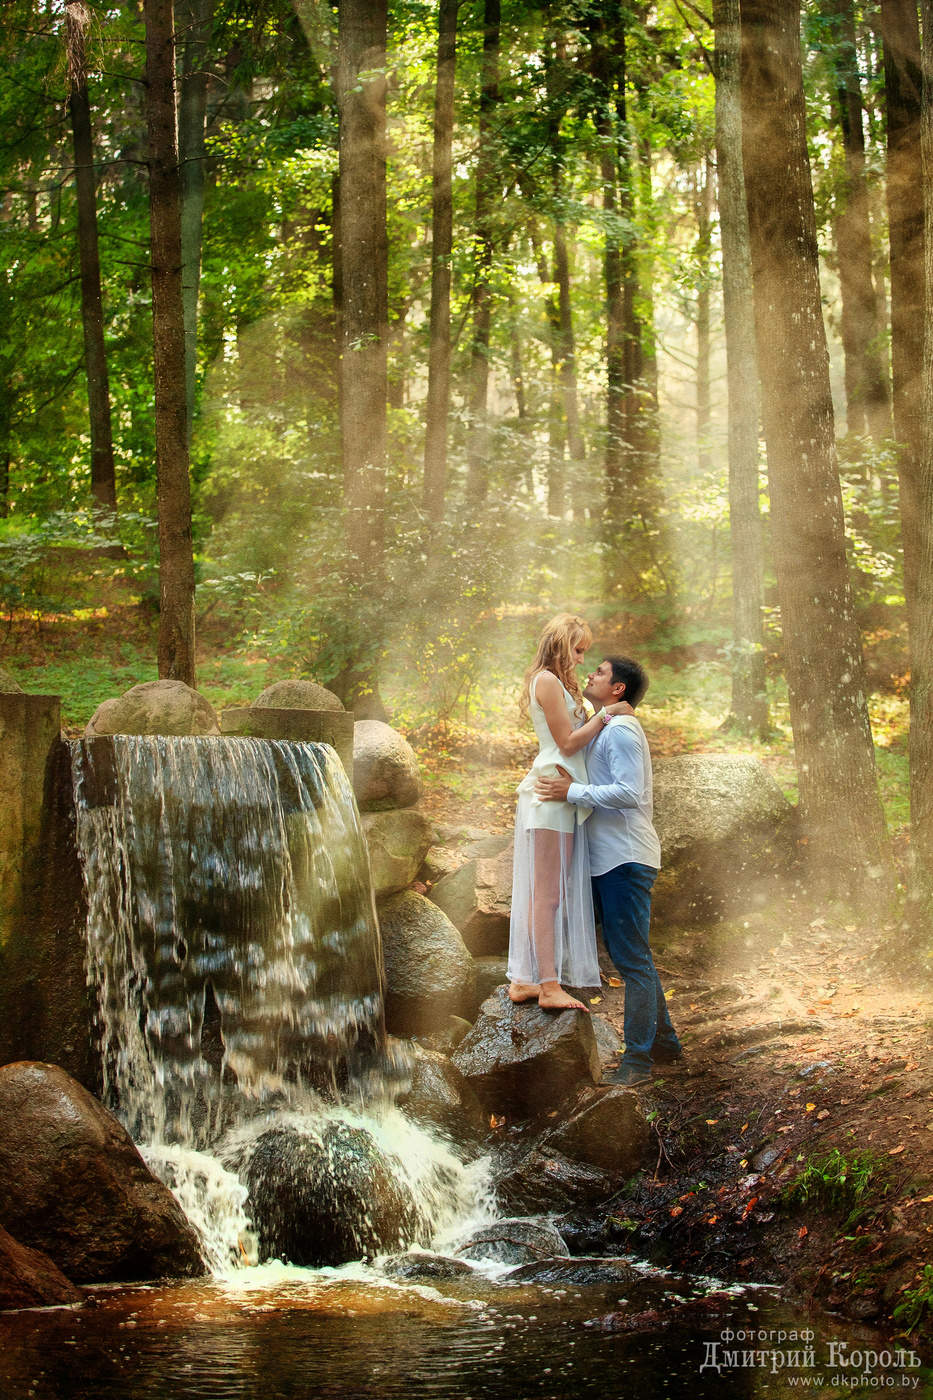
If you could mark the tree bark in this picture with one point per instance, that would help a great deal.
(103, 479)
(486, 184)
(363, 276)
(704, 247)
(749, 711)
(176, 559)
(867, 399)
(921, 659)
(832, 737)
(904, 184)
(437, 408)
(195, 18)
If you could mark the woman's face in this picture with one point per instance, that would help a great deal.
(578, 652)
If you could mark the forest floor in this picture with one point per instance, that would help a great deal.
(795, 1140)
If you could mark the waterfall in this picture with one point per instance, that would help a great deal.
(232, 940)
(233, 952)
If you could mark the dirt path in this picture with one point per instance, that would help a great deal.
(797, 1048)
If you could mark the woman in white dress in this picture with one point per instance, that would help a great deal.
(552, 935)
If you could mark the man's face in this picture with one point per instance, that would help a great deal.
(600, 688)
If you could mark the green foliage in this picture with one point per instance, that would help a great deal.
(916, 1303)
(844, 1185)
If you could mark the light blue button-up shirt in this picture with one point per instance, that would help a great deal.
(619, 789)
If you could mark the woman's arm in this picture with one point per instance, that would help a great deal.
(550, 696)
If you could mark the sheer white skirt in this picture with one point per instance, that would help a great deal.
(552, 934)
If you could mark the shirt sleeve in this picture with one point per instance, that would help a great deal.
(626, 769)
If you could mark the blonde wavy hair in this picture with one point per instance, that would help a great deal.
(555, 654)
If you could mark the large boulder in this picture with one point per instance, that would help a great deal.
(296, 695)
(606, 1129)
(544, 1180)
(386, 773)
(155, 707)
(73, 1185)
(429, 971)
(397, 842)
(726, 832)
(29, 1279)
(524, 1062)
(490, 974)
(514, 1241)
(327, 1198)
(477, 898)
(440, 1097)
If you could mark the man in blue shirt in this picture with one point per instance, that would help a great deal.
(625, 856)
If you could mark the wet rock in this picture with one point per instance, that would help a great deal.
(441, 1098)
(155, 707)
(326, 1199)
(727, 832)
(447, 1037)
(73, 1185)
(606, 1129)
(397, 843)
(490, 974)
(297, 695)
(522, 1061)
(545, 1180)
(386, 772)
(429, 973)
(423, 1264)
(516, 1241)
(29, 1279)
(477, 898)
(578, 1271)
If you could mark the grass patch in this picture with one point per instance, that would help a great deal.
(837, 1183)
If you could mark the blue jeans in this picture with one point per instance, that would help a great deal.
(623, 901)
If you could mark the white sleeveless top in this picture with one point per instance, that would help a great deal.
(561, 816)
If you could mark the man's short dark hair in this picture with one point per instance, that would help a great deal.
(631, 674)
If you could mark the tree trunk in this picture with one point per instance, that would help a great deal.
(867, 399)
(195, 18)
(921, 660)
(832, 738)
(103, 482)
(556, 496)
(902, 86)
(749, 711)
(363, 276)
(566, 359)
(704, 245)
(176, 560)
(486, 183)
(437, 408)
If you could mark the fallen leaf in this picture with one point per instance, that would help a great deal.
(712, 1220)
(823, 1113)
(895, 1150)
(811, 1107)
(594, 1001)
(711, 1121)
(676, 1210)
(614, 981)
(743, 1127)
(803, 1231)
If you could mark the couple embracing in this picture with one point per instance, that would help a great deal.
(584, 834)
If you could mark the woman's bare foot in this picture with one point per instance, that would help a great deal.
(523, 991)
(552, 997)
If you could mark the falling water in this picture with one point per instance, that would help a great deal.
(233, 948)
(232, 937)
